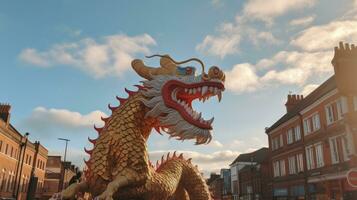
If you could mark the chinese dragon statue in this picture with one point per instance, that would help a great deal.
(119, 166)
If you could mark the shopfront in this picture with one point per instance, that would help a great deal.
(280, 194)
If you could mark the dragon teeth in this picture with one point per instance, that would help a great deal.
(211, 89)
(204, 90)
(211, 120)
(219, 96)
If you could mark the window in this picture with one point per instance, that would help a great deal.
(335, 110)
(279, 168)
(6, 148)
(289, 135)
(312, 124)
(314, 156)
(282, 168)
(355, 102)
(2, 179)
(331, 113)
(310, 157)
(297, 133)
(275, 143)
(0, 145)
(276, 169)
(345, 148)
(319, 155)
(340, 108)
(316, 122)
(281, 140)
(300, 162)
(334, 151)
(307, 126)
(292, 165)
(339, 149)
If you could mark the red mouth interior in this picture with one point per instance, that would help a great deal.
(179, 96)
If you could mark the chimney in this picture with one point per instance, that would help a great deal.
(292, 101)
(345, 66)
(5, 113)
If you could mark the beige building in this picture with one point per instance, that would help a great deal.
(19, 157)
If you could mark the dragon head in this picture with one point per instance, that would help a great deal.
(170, 90)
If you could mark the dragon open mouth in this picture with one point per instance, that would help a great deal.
(179, 96)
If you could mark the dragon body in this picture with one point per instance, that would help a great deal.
(119, 166)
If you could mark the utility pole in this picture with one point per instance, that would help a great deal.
(64, 160)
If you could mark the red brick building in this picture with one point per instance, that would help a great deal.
(313, 145)
(255, 179)
(215, 184)
(19, 157)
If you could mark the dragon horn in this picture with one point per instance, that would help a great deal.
(180, 62)
(148, 72)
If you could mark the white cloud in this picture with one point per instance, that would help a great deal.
(288, 67)
(109, 56)
(229, 37)
(217, 3)
(43, 119)
(299, 66)
(215, 144)
(302, 21)
(248, 145)
(266, 11)
(225, 43)
(33, 57)
(326, 36)
(207, 162)
(308, 89)
(242, 78)
(262, 37)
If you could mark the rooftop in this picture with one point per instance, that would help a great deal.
(257, 156)
(323, 89)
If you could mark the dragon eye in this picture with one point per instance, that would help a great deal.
(215, 70)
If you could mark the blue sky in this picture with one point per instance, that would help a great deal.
(62, 62)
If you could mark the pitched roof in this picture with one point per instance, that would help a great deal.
(323, 89)
(256, 156)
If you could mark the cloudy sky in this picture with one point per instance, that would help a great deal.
(62, 62)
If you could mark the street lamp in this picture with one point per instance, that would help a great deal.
(65, 150)
(64, 160)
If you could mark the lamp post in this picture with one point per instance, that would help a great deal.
(65, 150)
(64, 160)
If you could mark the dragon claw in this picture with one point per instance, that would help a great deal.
(104, 196)
(56, 196)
